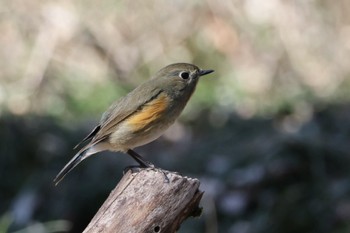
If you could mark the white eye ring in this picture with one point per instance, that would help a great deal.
(184, 75)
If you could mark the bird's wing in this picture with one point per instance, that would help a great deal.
(91, 135)
(123, 108)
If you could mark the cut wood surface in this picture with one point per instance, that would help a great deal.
(145, 201)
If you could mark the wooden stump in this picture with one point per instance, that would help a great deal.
(145, 201)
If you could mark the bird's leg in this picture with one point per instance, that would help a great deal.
(143, 163)
(138, 158)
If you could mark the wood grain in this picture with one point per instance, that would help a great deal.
(144, 201)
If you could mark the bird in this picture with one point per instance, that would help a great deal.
(141, 116)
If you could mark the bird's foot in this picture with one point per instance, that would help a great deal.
(132, 168)
(138, 168)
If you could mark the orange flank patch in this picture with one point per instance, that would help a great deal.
(150, 112)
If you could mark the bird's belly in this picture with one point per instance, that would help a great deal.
(126, 137)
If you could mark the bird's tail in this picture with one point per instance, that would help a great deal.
(80, 156)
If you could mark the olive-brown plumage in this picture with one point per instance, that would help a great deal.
(142, 115)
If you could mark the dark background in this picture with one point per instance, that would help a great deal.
(267, 134)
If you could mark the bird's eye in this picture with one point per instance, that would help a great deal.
(184, 75)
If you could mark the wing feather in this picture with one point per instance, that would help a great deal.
(124, 108)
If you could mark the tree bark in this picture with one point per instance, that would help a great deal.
(150, 200)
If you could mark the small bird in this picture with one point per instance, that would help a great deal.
(141, 116)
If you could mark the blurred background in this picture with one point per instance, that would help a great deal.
(267, 134)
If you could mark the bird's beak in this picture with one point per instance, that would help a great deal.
(205, 72)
